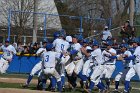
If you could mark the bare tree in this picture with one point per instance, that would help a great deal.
(21, 21)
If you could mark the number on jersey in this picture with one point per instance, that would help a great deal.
(62, 47)
(47, 58)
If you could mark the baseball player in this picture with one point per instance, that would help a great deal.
(38, 66)
(135, 69)
(75, 66)
(7, 56)
(109, 63)
(86, 51)
(97, 69)
(127, 65)
(49, 61)
(61, 46)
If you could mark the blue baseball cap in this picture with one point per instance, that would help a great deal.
(85, 41)
(124, 45)
(95, 43)
(134, 40)
(56, 34)
(62, 33)
(49, 47)
(7, 40)
(108, 43)
(45, 40)
(75, 36)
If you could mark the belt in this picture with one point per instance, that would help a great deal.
(126, 67)
(97, 64)
(77, 59)
(136, 62)
(48, 67)
(109, 64)
(4, 58)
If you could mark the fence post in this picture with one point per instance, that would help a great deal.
(9, 23)
(24, 40)
(45, 26)
(110, 23)
(81, 25)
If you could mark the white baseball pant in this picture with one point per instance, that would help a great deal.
(4, 64)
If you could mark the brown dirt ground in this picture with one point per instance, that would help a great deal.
(20, 81)
(16, 80)
(13, 90)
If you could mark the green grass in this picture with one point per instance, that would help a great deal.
(33, 86)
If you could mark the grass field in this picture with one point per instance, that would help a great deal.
(135, 85)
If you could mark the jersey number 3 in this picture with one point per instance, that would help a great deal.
(47, 58)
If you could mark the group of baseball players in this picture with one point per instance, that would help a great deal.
(68, 58)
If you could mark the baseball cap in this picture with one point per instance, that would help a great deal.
(45, 40)
(127, 21)
(95, 43)
(7, 40)
(108, 43)
(56, 34)
(49, 47)
(75, 36)
(69, 38)
(134, 41)
(85, 41)
(62, 33)
(106, 26)
(124, 45)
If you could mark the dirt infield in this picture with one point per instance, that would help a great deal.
(20, 81)
(16, 80)
(13, 90)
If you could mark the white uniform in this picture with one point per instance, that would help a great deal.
(109, 63)
(98, 68)
(136, 68)
(38, 66)
(77, 64)
(127, 65)
(6, 58)
(64, 59)
(106, 34)
(87, 65)
(60, 45)
(49, 59)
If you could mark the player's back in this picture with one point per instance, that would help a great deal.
(8, 51)
(59, 45)
(49, 59)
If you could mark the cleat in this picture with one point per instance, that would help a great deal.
(63, 88)
(125, 91)
(116, 91)
(43, 89)
(25, 86)
(103, 91)
(53, 90)
(130, 89)
(87, 90)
